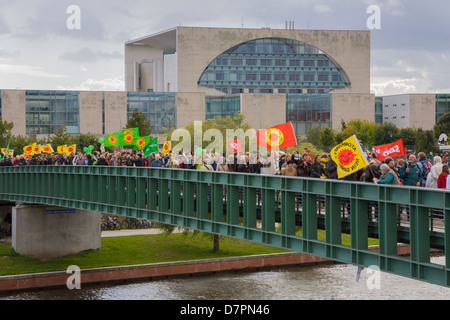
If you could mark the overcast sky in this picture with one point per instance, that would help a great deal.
(409, 54)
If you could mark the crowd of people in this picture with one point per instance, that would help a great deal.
(410, 170)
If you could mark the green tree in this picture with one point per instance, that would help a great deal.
(61, 137)
(363, 129)
(386, 133)
(17, 143)
(138, 120)
(409, 136)
(5, 128)
(442, 125)
(327, 138)
(426, 141)
(313, 136)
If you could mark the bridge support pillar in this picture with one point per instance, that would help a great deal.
(48, 232)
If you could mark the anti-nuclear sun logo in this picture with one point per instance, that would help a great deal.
(346, 157)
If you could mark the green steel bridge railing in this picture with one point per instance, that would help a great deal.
(260, 208)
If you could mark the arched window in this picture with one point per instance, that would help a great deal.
(263, 65)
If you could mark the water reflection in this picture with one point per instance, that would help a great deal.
(336, 282)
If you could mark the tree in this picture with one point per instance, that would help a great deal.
(313, 136)
(327, 138)
(61, 137)
(426, 141)
(386, 133)
(363, 129)
(5, 128)
(442, 125)
(409, 136)
(138, 120)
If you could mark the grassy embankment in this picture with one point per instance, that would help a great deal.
(140, 249)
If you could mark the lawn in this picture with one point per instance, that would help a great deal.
(142, 249)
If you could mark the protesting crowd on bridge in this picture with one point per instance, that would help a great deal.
(384, 164)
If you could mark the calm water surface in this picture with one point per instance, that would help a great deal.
(335, 282)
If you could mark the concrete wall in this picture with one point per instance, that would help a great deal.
(197, 47)
(14, 110)
(351, 106)
(396, 110)
(41, 235)
(115, 111)
(272, 106)
(91, 112)
(190, 107)
(422, 111)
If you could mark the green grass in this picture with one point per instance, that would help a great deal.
(141, 249)
(130, 250)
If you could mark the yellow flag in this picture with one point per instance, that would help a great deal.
(69, 149)
(349, 157)
(28, 150)
(61, 149)
(47, 148)
(166, 147)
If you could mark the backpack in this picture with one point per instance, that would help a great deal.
(425, 168)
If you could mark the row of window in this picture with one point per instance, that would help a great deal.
(265, 76)
(271, 62)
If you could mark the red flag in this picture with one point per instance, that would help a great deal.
(280, 136)
(394, 149)
(234, 145)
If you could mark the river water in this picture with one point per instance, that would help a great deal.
(330, 282)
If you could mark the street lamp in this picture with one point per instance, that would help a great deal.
(4, 138)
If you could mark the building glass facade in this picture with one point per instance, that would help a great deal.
(273, 65)
(442, 105)
(379, 110)
(47, 111)
(159, 108)
(307, 111)
(222, 106)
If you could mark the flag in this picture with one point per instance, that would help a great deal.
(69, 149)
(141, 142)
(28, 150)
(166, 147)
(102, 148)
(61, 149)
(128, 136)
(349, 157)
(234, 145)
(8, 152)
(277, 137)
(394, 149)
(112, 140)
(36, 148)
(151, 147)
(47, 148)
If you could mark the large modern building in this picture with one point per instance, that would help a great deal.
(312, 78)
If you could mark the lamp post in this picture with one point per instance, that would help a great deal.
(5, 135)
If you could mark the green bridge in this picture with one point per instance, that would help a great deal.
(259, 208)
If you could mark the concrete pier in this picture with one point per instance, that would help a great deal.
(47, 232)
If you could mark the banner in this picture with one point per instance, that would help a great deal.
(47, 148)
(166, 147)
(349, 157)
(234, 145)
(277, 137)
(394, 149)
(28, 150)
(151, 147)
(141, 142)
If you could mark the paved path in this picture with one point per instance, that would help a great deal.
(132, 232)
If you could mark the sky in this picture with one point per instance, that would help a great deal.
(410, 52)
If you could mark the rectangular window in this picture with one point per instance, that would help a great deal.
(294, 77)
(308, 77)
(323, 77)
(265, 77)
(323, 63)
(294, 63)
(266, 62)
(220, 76)
(280, 62)
(250, 77)
(280, 77)
(236, 62)
(251, 62)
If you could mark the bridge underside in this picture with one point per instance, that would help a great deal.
(259, 208)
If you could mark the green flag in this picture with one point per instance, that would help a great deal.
(112, 140)
(151, 147)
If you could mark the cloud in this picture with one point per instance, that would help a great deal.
(109, 84)
(391, 87)
(322, 8)
(88, 55)
(26, 70)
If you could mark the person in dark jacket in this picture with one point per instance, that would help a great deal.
(317, 168)
(331, 169)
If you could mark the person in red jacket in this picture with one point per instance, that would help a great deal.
(442, 179)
